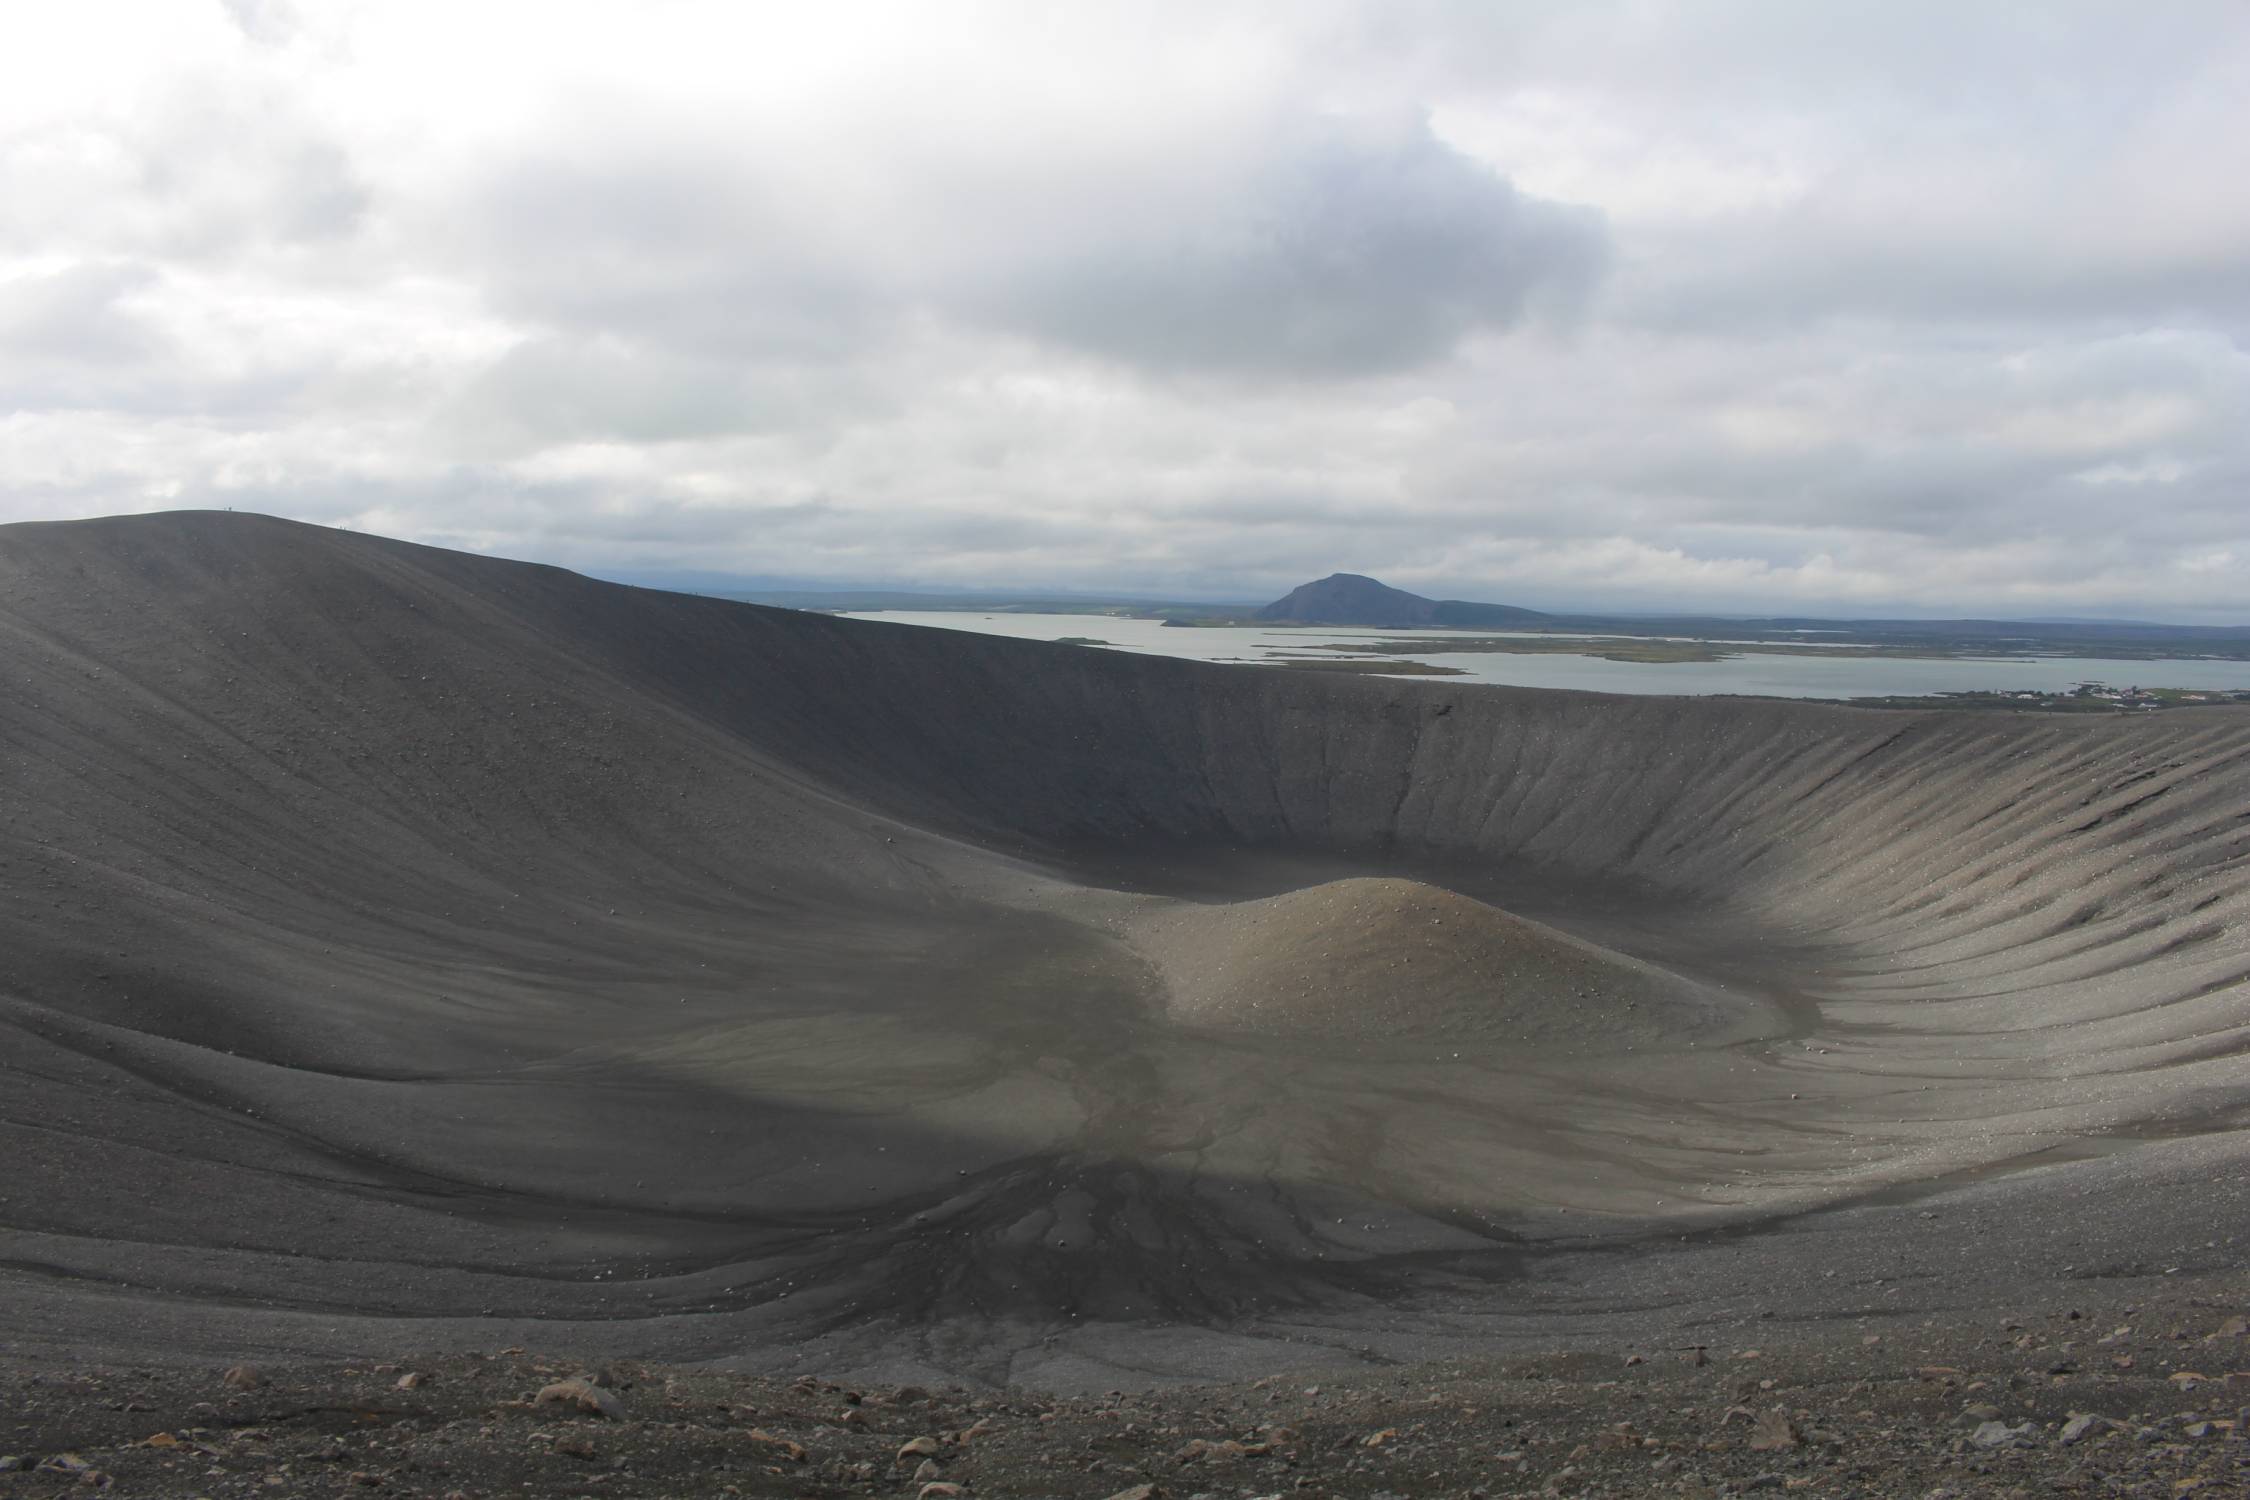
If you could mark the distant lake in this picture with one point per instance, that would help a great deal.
(1822, 676)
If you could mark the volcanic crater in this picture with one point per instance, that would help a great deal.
(404, 948)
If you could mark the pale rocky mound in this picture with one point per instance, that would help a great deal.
(1370, 959)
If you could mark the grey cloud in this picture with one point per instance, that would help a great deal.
(224, 168)
(99, 336)
(672, 523)
(1336, 252)
(568, 388)
(75, 315)
(1320, 248)
(270, 23)
(655, 238)
(581, 525)
(1303, 505)
(1809, 268)
(212, 168)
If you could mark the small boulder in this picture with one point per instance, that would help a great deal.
(243, 1378)
(778, 1446)
(1772, 1430)
(1999, 1435)
(581, 1396)
(921, 1447)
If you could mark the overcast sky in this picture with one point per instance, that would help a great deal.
(1808, 306)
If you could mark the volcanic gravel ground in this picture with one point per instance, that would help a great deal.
(2100, 1398)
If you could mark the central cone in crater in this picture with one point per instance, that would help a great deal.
(1373, 959)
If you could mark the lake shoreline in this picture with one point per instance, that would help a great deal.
(1890, 675)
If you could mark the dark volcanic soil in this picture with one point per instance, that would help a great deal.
(404, 951)
(2100, 1398)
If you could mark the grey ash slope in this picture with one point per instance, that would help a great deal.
(401, 946)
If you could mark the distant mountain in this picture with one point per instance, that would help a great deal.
(1353, 599)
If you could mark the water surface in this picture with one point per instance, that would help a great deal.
(1826, 675)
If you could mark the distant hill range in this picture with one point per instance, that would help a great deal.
(1353, 599)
